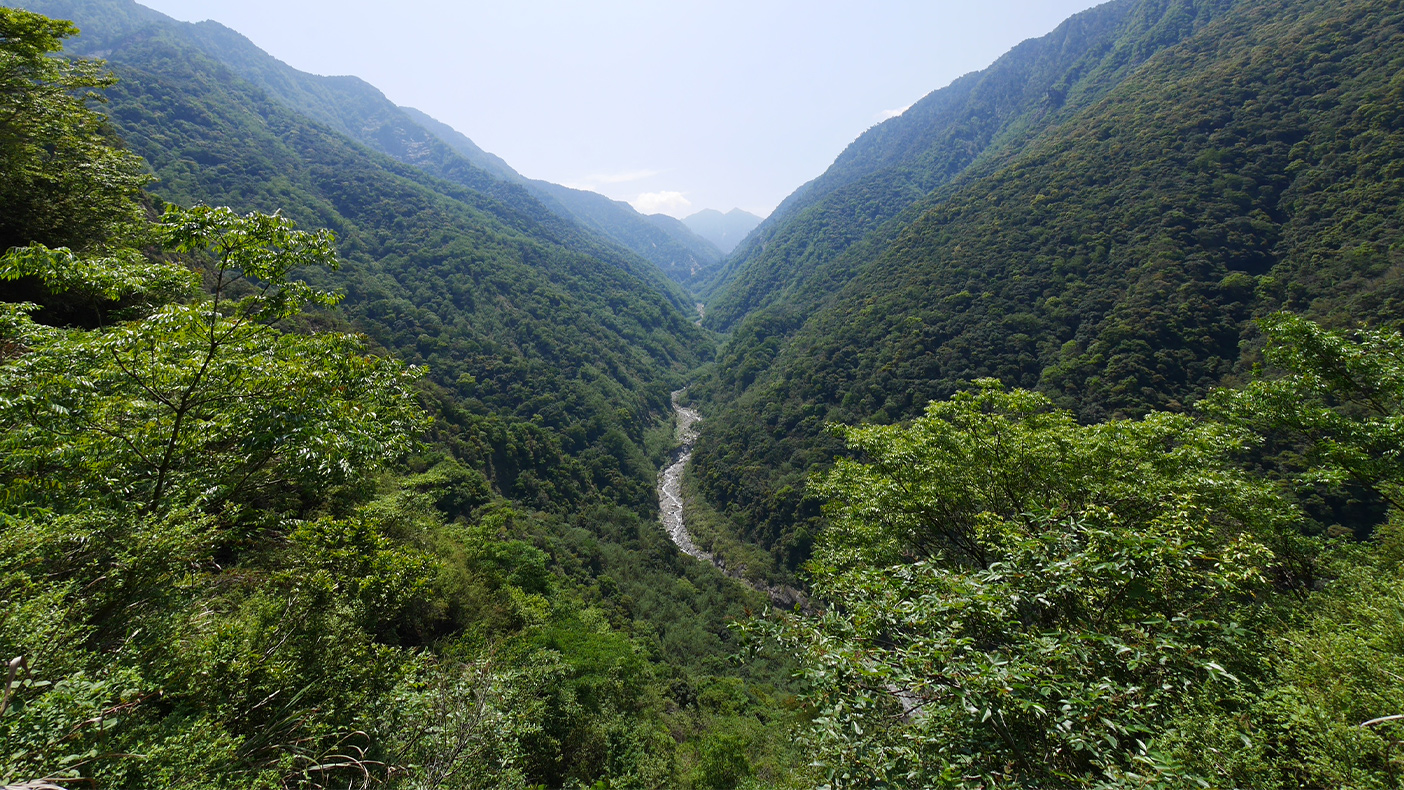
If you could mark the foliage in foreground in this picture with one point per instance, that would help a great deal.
(226, 559)
(1019, 600)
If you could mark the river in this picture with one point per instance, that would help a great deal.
(671, 511)
(670, 503)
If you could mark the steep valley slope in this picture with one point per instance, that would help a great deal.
(549, 352)
(509, 306)
(358, 110)
(1231, 160)
(1099, 216)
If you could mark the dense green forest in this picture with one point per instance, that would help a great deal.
(978, 118)
(359, 111)
(1114, 261)
(1073, 398)
(1023, 600)
(509, 310)
(244, 546)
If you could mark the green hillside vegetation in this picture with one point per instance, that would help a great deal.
(1021, 600)
(557, 358)
(1114, 263)
(981, 117)
(684, 256)
(230, 555)
(356, 109)
(674, 248)
(465, 147)
(1074, 396)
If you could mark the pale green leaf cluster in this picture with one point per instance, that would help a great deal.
(257, 251)
(1342, 401)
(133, 455)
(1019, 599)
(204, 403)
(121, 274)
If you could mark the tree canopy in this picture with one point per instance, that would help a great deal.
(65, 183)
(1017, 599)
(236, 550)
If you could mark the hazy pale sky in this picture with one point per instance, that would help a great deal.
(673, 106)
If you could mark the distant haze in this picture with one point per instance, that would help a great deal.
(674, 107)
(724, 230)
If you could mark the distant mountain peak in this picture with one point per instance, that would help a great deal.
(724, 230)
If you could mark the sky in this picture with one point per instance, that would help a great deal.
(672, 105)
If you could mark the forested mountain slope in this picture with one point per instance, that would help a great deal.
(222, 518)
(561, 355)
(465, 147)
(358, 110)
(986, 115)
(243, 548)
(673, 247)
(1115, 262)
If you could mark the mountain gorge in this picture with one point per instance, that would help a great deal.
(548, 353)
(459, 270)
(1063, 408)
(1112, 255)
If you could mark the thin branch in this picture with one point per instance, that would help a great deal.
(134, 377)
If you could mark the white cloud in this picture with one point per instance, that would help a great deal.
(673, 203)
(888, 115)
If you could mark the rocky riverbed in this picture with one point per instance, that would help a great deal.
(670, 503)
(672, 512)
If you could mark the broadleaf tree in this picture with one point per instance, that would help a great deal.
(1016, 599)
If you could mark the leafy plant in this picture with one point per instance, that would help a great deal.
(1017, 599)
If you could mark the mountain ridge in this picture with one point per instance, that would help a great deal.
(361, 111)
(1075, 397)
(1113, 288)
(979, 115)
(676, 249)
(725, 230)
(510, 306)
